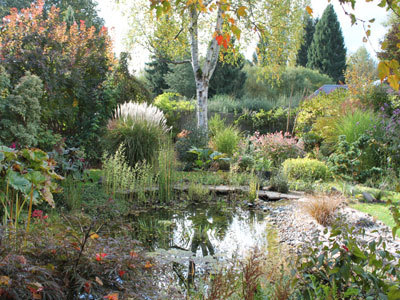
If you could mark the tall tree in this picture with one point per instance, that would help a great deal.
(327, 52)
(302, 55)
(71, 10)
(210, 25)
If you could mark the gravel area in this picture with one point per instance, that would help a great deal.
(297, 229)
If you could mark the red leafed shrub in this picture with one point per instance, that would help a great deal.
(277, 146)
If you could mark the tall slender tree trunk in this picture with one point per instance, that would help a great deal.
(203, 75)
(202, 97)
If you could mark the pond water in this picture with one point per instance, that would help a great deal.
(216, 230)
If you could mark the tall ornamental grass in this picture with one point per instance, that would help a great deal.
(140, 127)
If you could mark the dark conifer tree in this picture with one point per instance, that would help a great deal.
(155, 75)
(327, 53)
(307, 39)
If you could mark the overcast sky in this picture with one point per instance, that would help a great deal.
(353, 35)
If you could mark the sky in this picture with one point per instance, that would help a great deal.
(353, 35)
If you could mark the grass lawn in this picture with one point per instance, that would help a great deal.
(379, 210)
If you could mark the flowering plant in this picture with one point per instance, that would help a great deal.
(276, 146)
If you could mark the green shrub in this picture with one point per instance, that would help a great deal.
(190, 137)
(347, 160)
(20, 110)
(279, 182)
(293, 80)
(266, 121)
(305, 169)
(226, 140)
(354, 124)
(344, 268)
(172, 105)
(140, 128)
(322, 106)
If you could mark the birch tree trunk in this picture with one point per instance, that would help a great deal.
(203, 75)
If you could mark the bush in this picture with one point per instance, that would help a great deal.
(305, 169)
(20, 110)
(322, 106)
(228, 104)
(266, 121)
(345, 268)
(293, 80)
(140, 128)
(323, 208)
(226, 140)
(190, 137)
(354, 124)
(172, 105)
(276, 146)
(346, 162)
(279, 183)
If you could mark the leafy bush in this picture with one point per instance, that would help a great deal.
(26, 177)
(323, 208)
(140, 128)
(305, 169)
(276, 146)
(20, 110)
(70, 161)
(172, 105)
(344, 268)
(322, 106)
(226, 103)
(293, 80)
(190, 137)
(266, 121)
(346, 161)
(279, 182)
(73, 61)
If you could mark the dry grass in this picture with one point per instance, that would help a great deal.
(323, 207)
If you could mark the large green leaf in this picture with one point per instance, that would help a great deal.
(36, 177)
(18, 182)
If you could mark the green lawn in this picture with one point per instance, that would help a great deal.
(379, 211)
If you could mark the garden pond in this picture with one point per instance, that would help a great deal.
(202, 237)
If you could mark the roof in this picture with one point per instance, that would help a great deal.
(329, 88)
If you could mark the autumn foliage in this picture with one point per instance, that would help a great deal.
(72, 60)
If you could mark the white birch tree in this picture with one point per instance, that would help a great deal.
(194, 31)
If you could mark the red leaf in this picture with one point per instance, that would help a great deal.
(219, 39)
(87, 287)
(121, 273)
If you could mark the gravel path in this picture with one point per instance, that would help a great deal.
(297, 229)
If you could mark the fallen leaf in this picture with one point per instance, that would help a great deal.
(98, 280)
(4, 280)
(113, 296)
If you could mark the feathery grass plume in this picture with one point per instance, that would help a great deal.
(323, 208)
(141, 127)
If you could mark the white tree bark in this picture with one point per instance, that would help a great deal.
(203, 75)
